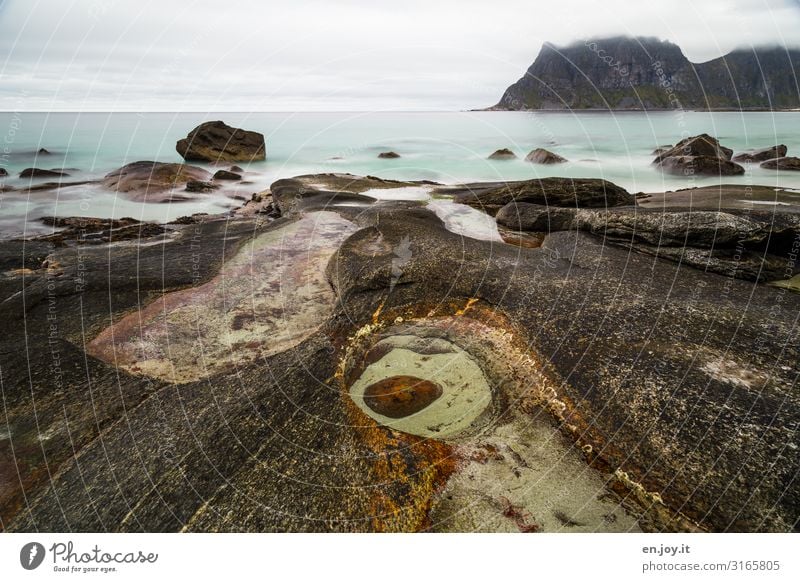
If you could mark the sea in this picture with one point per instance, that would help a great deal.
(446, 147)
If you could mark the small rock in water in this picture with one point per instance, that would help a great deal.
(503, 154)
(543, 156)
(388, 155)
(40, 173)
(43, 151)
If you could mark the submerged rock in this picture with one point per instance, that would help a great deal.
(200, 186)
(214, 141)
(543, 156)
(785, 163)
(762, 155)
(503, 154)
(41, 173)
(388, 155)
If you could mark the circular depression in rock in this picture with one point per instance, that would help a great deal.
(424, 386)
(401, 396)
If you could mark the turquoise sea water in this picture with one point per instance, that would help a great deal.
(444, 147)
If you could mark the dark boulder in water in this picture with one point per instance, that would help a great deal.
(388, 155)
(214, 141)
(701, 165)
(226, 175)
(762, 155)
(3, 172)
(700, 154)
(43, 151)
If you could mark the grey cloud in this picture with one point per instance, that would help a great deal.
(314, 54)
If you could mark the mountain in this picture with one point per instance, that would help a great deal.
(648, 73)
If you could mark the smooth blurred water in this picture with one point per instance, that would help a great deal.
(444, 147)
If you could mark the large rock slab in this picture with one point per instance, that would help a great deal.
(214, 141)
(626, 391)
(564, 192)
(753, 245)
(140, 179)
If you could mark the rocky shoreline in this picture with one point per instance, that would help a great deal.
(627, 369)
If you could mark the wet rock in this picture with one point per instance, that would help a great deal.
(388, 155)
(41, 173)
(702, 165)
(753, 246)
(79, 229)
(226, 175)
(193, 219)
(660, 150)
(785, 163)
(576, 347)
(200, 186)
(503, 154)
(152, 177)
(237, 169)
(523, 216)
(702, 155)
(214, 141)
(3, 172)
(762, 155)
(564, 192)
(699, 145)
(43, 151)
(543, 156)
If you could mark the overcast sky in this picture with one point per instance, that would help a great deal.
(299, 55)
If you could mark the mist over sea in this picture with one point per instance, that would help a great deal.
(445, 147)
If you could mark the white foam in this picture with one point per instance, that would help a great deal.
(766, 202)
(405, 193)
(465, 220)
